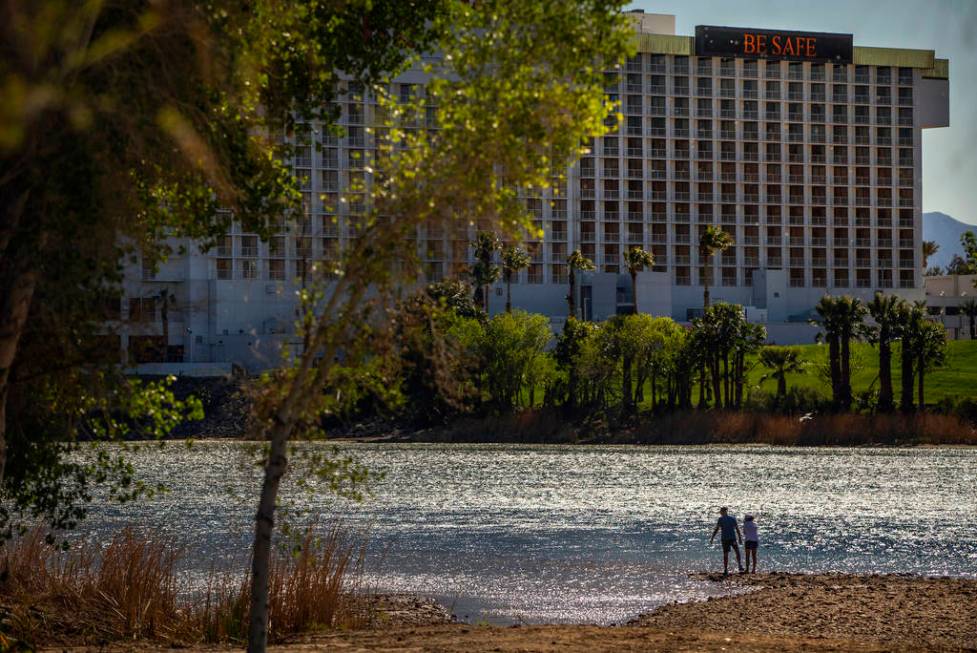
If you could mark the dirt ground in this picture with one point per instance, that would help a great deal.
(785, 612)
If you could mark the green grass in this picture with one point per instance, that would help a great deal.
(957, 378)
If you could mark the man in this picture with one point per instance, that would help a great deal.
(730, 534)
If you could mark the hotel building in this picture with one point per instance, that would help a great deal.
(805, 148)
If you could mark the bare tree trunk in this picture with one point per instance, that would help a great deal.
(508, 294)
(264, 527)
(13, 318)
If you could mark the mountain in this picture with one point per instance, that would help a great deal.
(946, 231)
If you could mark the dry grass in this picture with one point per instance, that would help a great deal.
(730, 427)
(131, 590)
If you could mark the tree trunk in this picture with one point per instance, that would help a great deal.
(264, 526)
(15, 309)
(834, 363)
(571, 299)
(634, 290)
(706, 271)
(885, 372)
(702, 385)
(716, 383)
(973, 327)
(654, 389)
(920, 374)
(782, 386)
(726, 379)
(906, 398)
(846, 397)
(626, 385)
(508, 293)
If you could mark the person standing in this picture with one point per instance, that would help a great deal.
(730, 534)
(751, 541)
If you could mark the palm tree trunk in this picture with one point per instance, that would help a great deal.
(834, 363)
(634, 290)
(781, 385)
(920, 374)
(885, 373)
(906, 399)
(716, 383)
(846, 397)
(508, 293)
(702, 385)
(973, 327)
(571, 297)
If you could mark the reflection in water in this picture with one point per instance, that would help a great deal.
(590, 534)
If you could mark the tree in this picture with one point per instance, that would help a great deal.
(485, 272)
(957, 265)
(636, 260)
(124, 123)
(969, 309)
(576, 261)
(504, 71)
(781, 361)
(570, 345)
(930, 353)
(930, 248)
(511, 346)
(934, 271)
(712, 240)
(842, 319)
(910, 328)
(886, 310)
(513, 259)
(968, 240)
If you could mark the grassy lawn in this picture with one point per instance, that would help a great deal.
(957, 378)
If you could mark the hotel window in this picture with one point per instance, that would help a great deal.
(142, 309)
(249, 269)
(749, 68)
(839, 113)
(224, 268)
(906, 117)
(249, 245)
(839, 73)
(883, 75)
(772, 90)
(276, 270)
(905, 96)
(905, 76)
(817, 71)
(817, 113)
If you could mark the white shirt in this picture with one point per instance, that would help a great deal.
(750, 532)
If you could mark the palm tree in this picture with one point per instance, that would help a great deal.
(842, 319)
(969, 309)
(514, 258)
(712, 240)
(886, 311)
(576, 261)
(930, 248)
(636, 260)
(930, 350)
(484, 272)
(781, 361)
(911, 320)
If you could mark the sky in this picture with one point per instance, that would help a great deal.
(947, 26)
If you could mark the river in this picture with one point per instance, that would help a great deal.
(596, 534)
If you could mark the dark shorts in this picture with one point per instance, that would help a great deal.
(751, 546)
(729, 544)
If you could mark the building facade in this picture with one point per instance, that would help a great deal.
(804, 147)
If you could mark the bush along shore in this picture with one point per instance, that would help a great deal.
(881, 373)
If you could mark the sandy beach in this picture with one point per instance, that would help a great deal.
(777, 612)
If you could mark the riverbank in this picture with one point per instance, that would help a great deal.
(781, 612)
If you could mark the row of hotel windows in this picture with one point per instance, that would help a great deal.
(800, 276)
(750, 110)
(739, 67)
(728, 171)
(797, 153)
(706, 192)
(749, 131)
(750, 89)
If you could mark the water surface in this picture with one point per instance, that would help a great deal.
(507, 533)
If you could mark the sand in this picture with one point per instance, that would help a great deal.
(782, 612)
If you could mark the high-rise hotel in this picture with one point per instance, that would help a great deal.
(805, 148)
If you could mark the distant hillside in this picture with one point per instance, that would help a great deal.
(946, 231)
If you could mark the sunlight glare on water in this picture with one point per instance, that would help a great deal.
(511, 533)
